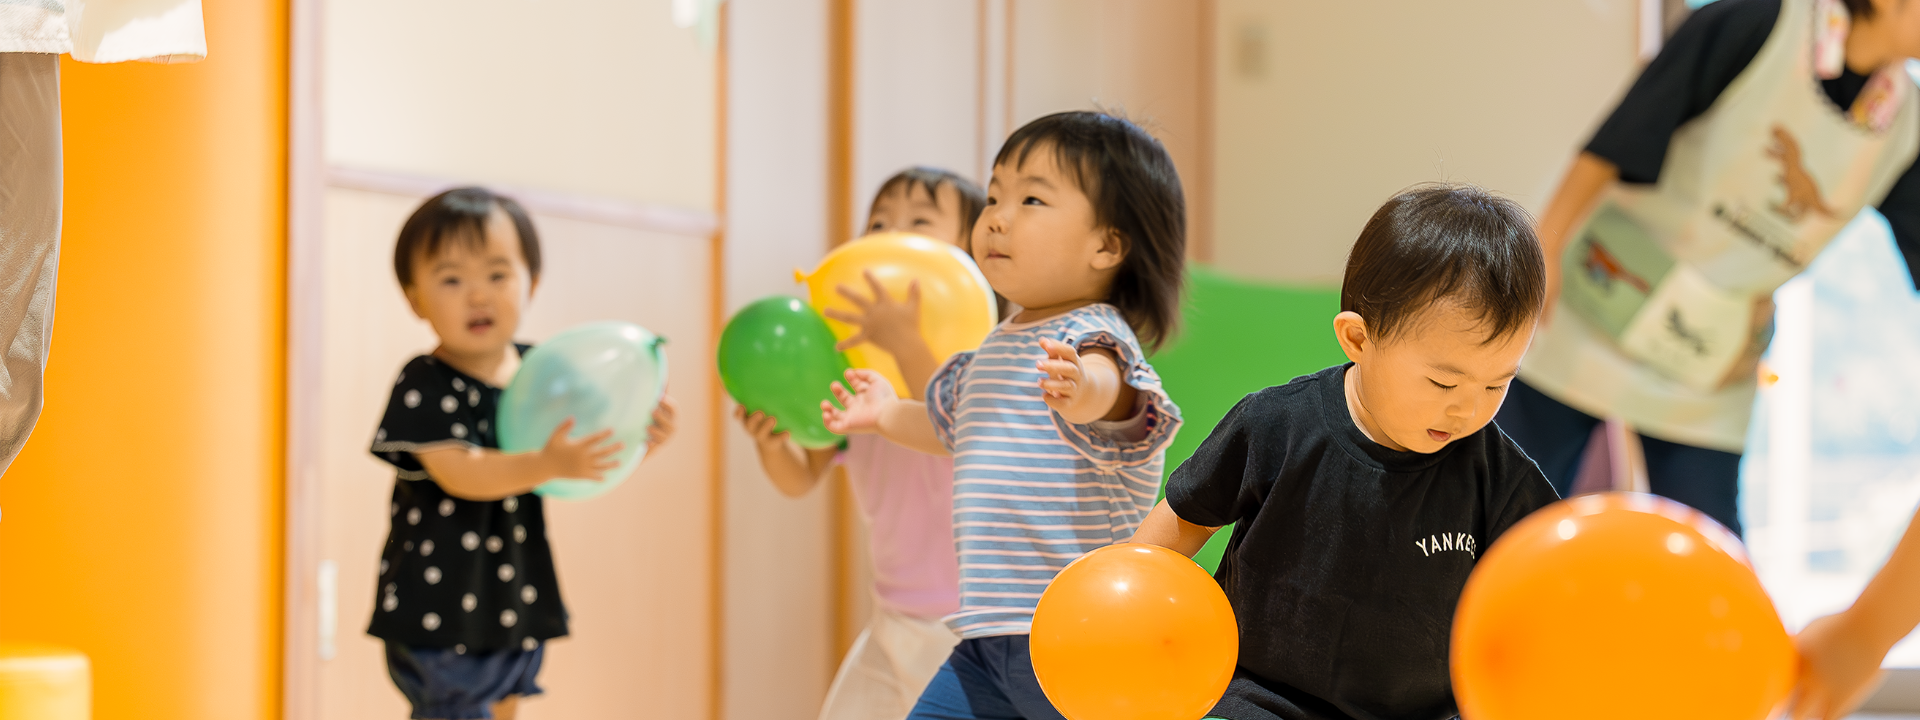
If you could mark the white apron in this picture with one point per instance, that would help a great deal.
(1665, 292)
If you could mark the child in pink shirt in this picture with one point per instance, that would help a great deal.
(905, 495)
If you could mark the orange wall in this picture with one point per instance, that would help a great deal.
(142, 522)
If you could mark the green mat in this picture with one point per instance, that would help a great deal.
(1238, 337)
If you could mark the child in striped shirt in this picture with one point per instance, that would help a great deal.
(1057, 425)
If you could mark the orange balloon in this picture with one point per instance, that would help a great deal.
(957, 309)
(1134, 632)
(1619, 605)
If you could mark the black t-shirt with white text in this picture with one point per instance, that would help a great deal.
(1693, 68)
(1348, 558)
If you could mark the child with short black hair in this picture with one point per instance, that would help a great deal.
(1057, 425)
(468, 596)
(1364, 493)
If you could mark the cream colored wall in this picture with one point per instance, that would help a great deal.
(916, 92)
(937, 83)
(600, 97)
(1137, 57)
(1325, 109)
(778, 644)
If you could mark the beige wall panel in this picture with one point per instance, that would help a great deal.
(916, 91)
(598, 97)
(1137, 57)
(779, 566)
(1325, 109)
(633, 565)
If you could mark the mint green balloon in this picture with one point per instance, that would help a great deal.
(603, 375)
(777, 357)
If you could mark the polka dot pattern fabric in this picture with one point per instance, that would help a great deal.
(457, 573)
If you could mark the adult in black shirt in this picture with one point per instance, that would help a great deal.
(1348, 558)
(1692, 439)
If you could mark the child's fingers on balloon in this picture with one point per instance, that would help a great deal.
(850, 342)
(879, 293)
(857, 299)
(913, 292)
(833, 313)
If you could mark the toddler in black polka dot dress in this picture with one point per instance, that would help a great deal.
(467, 595)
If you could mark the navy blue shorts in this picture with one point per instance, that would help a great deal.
(444, 684)
(988, 678)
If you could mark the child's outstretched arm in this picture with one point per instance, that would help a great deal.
(1085, 388)
(793, 470)
(1163, 527)
(872, 407)
(891, 325)
(473, 473)
(1840, 654)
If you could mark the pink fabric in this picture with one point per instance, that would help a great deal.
(907, 497)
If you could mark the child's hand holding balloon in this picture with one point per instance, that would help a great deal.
(662, 428)
(868, 400)
(1839, 667)
(588, 458)
(760, 426)
(892, 325)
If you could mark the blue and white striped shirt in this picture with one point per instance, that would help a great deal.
(1031, 491)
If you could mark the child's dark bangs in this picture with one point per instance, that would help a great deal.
(463, 231)
(905, 183)
(1080, 161)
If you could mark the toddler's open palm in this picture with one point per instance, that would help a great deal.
(869, 396)
(1062, 385)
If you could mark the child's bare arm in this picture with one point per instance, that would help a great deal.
(1163, 527)
(794, 470)
(1085, 388)
(872, 407)
(1578, 194)
(905, 423)
(472, 473)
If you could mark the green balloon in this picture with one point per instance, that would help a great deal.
(777, 357)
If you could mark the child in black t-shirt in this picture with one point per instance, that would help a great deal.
(1364, 493)
(467, 594)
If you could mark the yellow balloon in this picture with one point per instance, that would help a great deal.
(42, 682)
(956, 304)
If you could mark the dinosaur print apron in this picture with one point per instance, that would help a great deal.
(1665, 299)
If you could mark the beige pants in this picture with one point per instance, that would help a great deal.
(29, 236)
(887, 668)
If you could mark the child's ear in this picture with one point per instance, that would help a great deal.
(413, 300)
(1113, 250)
(1351, 330)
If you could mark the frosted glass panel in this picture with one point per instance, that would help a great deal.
(1826, 493)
